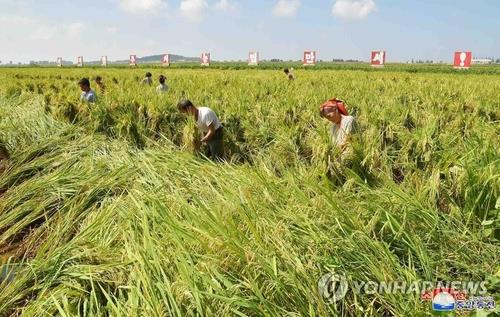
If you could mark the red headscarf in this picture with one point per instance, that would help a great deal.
(334, 103)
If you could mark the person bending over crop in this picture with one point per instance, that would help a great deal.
(289, 74)
(100, 84)
(334, 110)
(162, 87)
(88, 95)
(148, 79)
(209, 125)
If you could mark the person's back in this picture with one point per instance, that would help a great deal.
(206, 117)
(147, 79)
(162, 87)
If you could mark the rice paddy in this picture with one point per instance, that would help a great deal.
(108, 209)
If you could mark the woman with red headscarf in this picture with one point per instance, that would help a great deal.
(334, 110)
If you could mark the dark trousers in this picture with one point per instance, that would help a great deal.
(216, 145)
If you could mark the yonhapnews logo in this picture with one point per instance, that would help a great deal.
(444, 296)
(332, 287)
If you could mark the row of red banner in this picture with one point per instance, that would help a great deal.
(378, 59)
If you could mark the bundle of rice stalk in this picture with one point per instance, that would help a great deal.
(65, 110)
(190, 137)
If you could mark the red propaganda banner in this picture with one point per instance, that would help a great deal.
(309, 58)
(59, 61)
(79, 62)
(205, 59)
(378, 58)
(104, 61)
(253, 58)
(133, 60)
(166, 60)
(463, 60)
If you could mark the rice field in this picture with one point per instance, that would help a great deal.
(109, 209)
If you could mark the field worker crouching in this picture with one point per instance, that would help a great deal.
(334, 110)
(100, 84)
(148, 79)
(209, 125)
(88, 95)
(162, 87)
(289, 74)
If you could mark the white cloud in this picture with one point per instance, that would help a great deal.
(44, 32)
(286, 8)
(15, 20)
(193, 9)
(225, 5)
(143, 6)
(25, 27)
(111, 29)
(75, 29)
(353, 9)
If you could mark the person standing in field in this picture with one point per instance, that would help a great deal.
(334, 110)
(162, 87)
(209, 125)
(100, 84)
(148, 79)
(289, 74)
(88, 95)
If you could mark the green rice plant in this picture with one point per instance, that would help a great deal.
(107, 209)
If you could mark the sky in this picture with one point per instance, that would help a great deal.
(229, 29)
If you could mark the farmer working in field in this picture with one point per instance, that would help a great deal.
(289, 74)
(334, 110)
(162, 87)
(209, 125)
(148, 79)
(100, 84)
(88, 95)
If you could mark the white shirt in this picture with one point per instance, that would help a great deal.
(162, 88)
(340, 133)
(89, 96)
(206, 117)
(147, 81)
